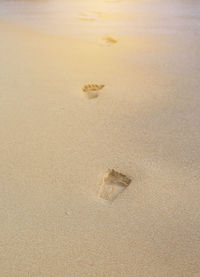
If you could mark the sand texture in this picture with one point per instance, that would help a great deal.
(56, 146)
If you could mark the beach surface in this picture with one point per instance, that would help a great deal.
(56, 144)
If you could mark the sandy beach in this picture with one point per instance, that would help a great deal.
(56, 144)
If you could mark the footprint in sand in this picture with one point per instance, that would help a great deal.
(113, 184)
(92, 90)
(107, 41)
(90, 16)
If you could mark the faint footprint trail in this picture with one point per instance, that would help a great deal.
(112, 1)
(90, 16)
(107, 41)
(92, 90)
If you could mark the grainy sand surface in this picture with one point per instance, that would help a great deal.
(56, 145)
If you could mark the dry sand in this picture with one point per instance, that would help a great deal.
(56, 145)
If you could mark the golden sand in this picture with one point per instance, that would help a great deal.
(56, 144)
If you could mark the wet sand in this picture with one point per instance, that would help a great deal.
(56, 145)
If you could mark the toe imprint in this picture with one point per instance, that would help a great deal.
(91, 90)
(92, 87)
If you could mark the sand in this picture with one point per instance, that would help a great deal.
(56, 145)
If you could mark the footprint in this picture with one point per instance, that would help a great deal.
(107, 41)
(90, 16)
(113, 184)
(91, 90)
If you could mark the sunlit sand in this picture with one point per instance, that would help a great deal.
(70, 109)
